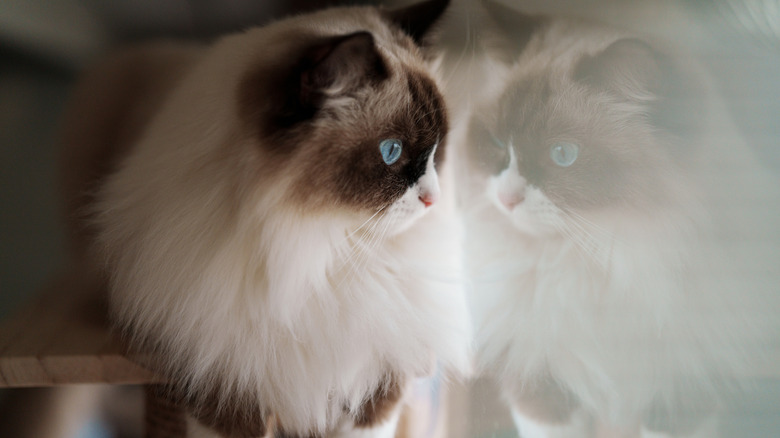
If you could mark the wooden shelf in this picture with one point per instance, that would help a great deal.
(62, 338)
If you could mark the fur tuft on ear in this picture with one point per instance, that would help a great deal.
(417, 19)
(330, 67)
(343, 63)
(325, 67)
(338, 66)
(636, 71)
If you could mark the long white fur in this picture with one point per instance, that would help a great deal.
(307, 310)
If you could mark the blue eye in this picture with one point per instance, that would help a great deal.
(564, 153)
(391, 150)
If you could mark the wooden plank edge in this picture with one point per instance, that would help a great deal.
(19, 372)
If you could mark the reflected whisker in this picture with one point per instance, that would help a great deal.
(574, 239)
(597, 228)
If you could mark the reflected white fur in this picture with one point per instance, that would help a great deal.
(619, 306)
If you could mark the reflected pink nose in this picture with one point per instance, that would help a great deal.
(511, 200)
(427, 198)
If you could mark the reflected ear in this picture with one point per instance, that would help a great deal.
(517, 28)
(634, 70)
(417, 19)
(628, 66)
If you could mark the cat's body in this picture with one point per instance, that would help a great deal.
(611, 278)
(260, 253)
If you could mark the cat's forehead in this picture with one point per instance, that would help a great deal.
(522, 101)
(407, 105)
(425, 112)
(553, 105)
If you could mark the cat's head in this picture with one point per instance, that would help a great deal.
(340, 105)
(587, 137)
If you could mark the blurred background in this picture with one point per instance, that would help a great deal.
(44, 44)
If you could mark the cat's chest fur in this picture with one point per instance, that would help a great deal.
(362, 317)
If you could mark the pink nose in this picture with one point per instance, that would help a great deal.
(511, 200)
(428, 199)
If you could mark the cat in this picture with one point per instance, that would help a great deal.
(612, 278)
(273, 217)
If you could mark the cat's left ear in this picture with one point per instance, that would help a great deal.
(416, 20)
(341, 63)
(327, 67)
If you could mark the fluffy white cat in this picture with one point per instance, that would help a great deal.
(277, 235)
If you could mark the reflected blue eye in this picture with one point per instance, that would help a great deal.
(564, 153)
(391, 150)
(498, 143)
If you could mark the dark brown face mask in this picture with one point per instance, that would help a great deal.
(297, 113)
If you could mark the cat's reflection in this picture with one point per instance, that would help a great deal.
(613, 282)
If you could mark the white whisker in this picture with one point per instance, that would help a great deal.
(374, 240)
(352, 233)
(358, 246)
(376, 235)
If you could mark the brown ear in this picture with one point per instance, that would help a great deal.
(634, 70)
(324, 68)
(417, 19)
(332, 67)
(340, 65)
(517, 28)
(351, 60)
